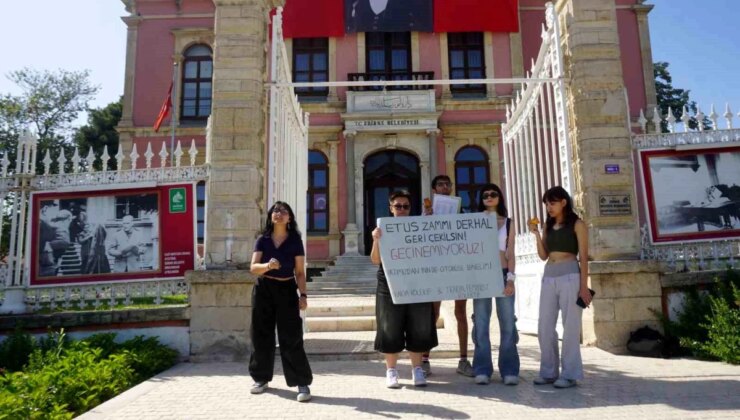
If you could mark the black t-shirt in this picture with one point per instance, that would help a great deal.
(292, 247)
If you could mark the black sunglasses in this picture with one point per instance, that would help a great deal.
(489, 195)
(401, 206)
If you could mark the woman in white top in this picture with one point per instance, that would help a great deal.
(491, 201)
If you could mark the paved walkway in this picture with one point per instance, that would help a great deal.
(616, 387)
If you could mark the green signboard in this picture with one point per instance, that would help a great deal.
(178, 200)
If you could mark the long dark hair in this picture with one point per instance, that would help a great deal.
(292, 225)
(557, 194)
(501, 207)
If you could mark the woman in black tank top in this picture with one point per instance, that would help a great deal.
(562, 244)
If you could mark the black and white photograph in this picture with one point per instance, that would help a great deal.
(693, 194)
(99, 235)
(388, 15)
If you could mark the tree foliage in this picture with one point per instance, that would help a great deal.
(50, 101)
(673, 98)
(100, 132)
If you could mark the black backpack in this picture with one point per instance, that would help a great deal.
(646, 342)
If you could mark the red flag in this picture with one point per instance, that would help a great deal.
(476, 16)
(165, 110)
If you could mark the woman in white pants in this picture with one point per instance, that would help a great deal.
(563, 243)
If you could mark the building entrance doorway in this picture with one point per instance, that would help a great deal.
(383, 173)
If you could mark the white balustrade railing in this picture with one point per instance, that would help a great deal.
(55, 172)
(288, 138)
(692, 256)
(537, 150)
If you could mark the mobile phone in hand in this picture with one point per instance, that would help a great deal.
(580, 302)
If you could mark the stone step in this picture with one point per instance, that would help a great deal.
(346, 323)
(341, 323)
(337, 311)
(365, 291)
(344, 279)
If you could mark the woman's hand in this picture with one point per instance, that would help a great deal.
(585, 295)
(273, 264)
(377, 233)
(533, 224)
(509, 289)
(302, 303)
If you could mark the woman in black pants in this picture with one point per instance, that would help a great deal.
(279, 259)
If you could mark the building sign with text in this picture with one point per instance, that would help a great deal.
(394, 124)
(434, 258)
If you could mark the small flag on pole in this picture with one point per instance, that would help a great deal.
(165, 110)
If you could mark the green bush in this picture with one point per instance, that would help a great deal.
(709, 324)
(15, 351)
(723, 329)
(64, 378)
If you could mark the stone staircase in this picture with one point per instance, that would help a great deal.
(350, 275)
(340, 318)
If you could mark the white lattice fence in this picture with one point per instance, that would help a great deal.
(288, 137)
(537, 152)
(58, 173)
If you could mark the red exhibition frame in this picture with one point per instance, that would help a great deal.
(729, 208)
(176, 243)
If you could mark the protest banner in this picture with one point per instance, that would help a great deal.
(442, 257)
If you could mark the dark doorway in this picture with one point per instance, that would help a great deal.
(385, 172)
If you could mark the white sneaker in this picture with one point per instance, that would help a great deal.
(511, 380)
(418, 376)
(391, 379)
(564, 383)
(482, 379)
(543, 381)
(258, 387)
(304, 394)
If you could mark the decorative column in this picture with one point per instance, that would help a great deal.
(646, 52)
(125, 126)
(598, 128)
(351, 232)
(628, 290)
(236, 138)
(432, 135)
(333, 194)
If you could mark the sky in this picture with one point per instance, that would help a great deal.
(698, 38)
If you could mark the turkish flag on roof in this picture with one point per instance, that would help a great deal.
(165, 110)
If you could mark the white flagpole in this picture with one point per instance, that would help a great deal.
(173, 118)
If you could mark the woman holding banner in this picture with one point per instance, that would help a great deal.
(491, 202)
(278, 260)
(410, 326)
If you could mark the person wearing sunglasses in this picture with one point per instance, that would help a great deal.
(277, 298)
(491, 202)
(442, 185)
(408, 326)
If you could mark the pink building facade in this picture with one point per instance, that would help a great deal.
(364, 142)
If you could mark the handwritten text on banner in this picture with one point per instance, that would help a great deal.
(443, 257)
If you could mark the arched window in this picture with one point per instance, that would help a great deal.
(471, 172)
(197, 74)
(318, 192)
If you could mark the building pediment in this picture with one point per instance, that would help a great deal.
(391, 111)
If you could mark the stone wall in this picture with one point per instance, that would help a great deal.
(628, 295)
(220, 310)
